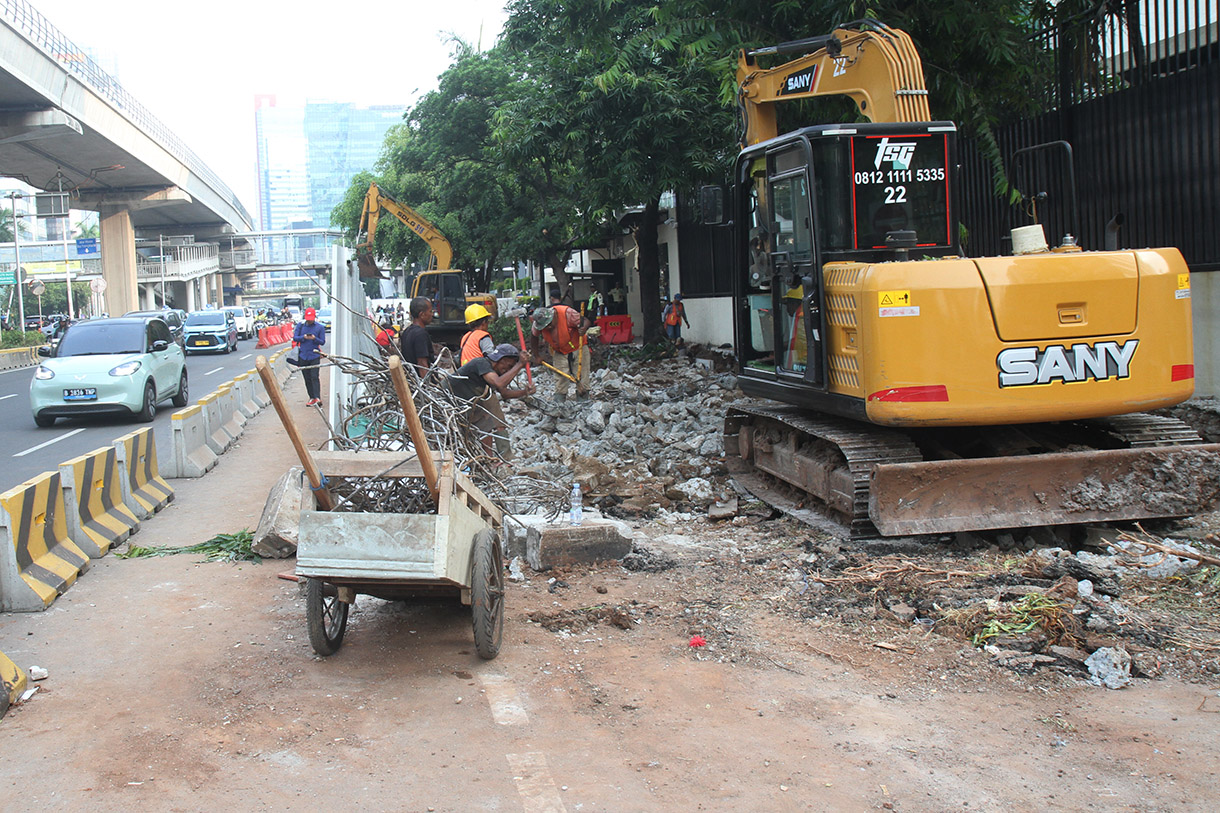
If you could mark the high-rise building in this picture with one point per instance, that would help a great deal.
(308, 155)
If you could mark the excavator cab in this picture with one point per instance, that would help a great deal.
(829, 194)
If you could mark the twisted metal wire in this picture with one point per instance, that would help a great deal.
(374, 422)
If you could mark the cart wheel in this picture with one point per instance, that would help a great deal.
(487, 594)
(327, 617)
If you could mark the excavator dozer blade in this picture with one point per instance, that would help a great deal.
(1107, 485)
(368, 267)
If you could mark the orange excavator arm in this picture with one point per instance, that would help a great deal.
(873, 64)
(374, 202)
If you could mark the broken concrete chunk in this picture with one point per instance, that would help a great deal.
(1109, 667)
(903, 612)
(556, 546)
(723, 510)
(279, 527)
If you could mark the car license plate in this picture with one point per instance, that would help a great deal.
(200, 342)
(81, 394)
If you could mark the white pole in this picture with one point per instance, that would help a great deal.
(12, 199)
(161, 252)
(67, 266)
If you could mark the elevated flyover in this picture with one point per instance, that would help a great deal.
(66, 125)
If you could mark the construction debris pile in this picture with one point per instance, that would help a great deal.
(1131, 606)
(647, 438)
(374, 421)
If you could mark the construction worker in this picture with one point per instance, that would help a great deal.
(484, 381)
(477, 341)
(564, 329)
(387, 337)
(618, 300)
(595, 306)
(415, 343)
(673, 316)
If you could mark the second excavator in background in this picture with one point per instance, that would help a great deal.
(446, 287)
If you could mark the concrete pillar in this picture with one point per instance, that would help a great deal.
(119, 260)
(190, 296)
(150, 297)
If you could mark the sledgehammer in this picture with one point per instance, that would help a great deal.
(517, 313)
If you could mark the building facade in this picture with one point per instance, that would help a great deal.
(308, 154)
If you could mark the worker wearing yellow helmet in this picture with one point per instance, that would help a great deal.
(477, 342)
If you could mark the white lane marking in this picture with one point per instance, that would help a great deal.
(6, 397)
(506, 706)
(217, 370)
(64, 436)
(534, 784)
(248, 355)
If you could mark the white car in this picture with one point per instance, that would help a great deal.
(244, 320)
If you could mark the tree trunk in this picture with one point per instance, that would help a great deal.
(645, 235)
(558, 260)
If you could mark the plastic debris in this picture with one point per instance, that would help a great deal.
(698, 641)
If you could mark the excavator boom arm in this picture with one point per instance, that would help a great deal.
(875, 65)
(376, 200)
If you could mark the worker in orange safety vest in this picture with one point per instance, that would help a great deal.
(564, 329)
(477, 342)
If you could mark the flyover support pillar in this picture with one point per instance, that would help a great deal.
(119, 261)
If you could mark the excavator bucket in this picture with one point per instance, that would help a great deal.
(368, 266)
(1110, 485)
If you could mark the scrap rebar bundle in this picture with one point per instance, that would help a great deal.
(374, 422)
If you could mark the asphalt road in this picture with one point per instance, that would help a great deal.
(26, 450)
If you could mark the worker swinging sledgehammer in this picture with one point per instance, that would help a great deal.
(564, 330)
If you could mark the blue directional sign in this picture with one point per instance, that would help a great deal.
(86, 245)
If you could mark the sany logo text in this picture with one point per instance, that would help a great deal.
(1028, 366)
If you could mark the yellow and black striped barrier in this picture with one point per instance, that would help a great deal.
(97, 517)
(143, 489)
(38, 561)
(13, 682)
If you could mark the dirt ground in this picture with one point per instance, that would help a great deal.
(178, 685)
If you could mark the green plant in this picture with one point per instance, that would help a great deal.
(220, 548)
(10, 339)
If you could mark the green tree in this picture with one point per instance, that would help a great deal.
(637, 115)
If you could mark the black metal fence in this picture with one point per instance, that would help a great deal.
(1137, 96)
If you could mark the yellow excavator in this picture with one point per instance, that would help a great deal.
(926, 392)
(444, 286)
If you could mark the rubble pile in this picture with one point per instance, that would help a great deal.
(1129, 609)
(648, 436)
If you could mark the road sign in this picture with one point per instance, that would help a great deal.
(8, 277)
(37, 287)
(97, 285)
(86, 245)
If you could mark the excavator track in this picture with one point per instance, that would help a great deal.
(881, 482)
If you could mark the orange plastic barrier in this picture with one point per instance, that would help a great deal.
(262, 339)
(615, 329)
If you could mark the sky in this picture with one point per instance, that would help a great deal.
(198, 66)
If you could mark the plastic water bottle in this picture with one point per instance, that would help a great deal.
(576, 504)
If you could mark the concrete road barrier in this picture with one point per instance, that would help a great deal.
(97, 517)
(18, 357)
(214, 424)
(244, 385)
(143, 489)
(230, 410)
(260, 392)
(38, 561)
(13, 682)
(190, 454)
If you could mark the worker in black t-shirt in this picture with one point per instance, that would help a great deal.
(415, 344)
